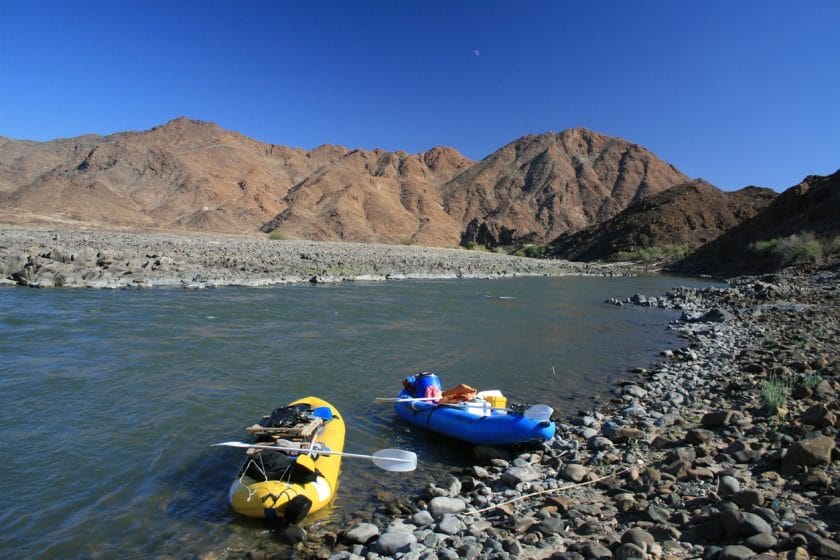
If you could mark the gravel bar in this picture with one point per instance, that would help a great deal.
(104, 259)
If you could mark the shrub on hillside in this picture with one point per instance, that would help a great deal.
(662, 253)
(475, 246)
(799, 248)
(534, 251)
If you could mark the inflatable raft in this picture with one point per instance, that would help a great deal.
(291, 484)
(481, 420)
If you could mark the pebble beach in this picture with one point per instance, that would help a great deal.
(691, 458)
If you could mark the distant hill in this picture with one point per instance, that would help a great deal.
(541, 186)
(812, 206)
(195, 176)
(686, 216)
(186, 174)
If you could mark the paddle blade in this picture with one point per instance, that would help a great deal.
(395, 460)
(539, 412)
(233, 444)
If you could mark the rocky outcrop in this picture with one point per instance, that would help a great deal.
(685, 216)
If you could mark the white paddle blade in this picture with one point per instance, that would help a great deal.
(234, 444)
(395, 460)
(539, 412)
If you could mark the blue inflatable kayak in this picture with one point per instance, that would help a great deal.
(477, 421)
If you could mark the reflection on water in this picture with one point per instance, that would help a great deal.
(110, 400)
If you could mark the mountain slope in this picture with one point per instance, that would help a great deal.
(185, 174)
(374, 196)
(689, 215)
(540, 186)
(811, 206)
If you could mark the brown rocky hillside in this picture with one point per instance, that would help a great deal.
(687, 215)
(541, 186)
(374, 196)
(185, 174)
(811, 206)
(195, 176)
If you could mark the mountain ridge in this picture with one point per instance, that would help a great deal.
(550, 183)
(193, 175)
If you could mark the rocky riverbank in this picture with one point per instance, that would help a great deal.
(98, 259)
(692, 458)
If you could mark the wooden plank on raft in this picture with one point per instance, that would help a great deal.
(299, 430)
(309, 429)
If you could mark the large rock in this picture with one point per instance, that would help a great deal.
(742, 524)
(391, 542)
(735, 552)
(450, 524)
(574, 472)
(807, 453)
(361, 533)
(515, 475)
(820, 416)
(442, 505)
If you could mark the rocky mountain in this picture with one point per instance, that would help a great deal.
(374, 196)
(812, 206)
(688, 215)
(192, 175)
(541, 186)
(186, 174)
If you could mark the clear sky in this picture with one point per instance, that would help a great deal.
(737, 92)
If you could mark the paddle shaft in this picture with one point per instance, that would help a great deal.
(461, 404)
(316, 451)
(401, 399)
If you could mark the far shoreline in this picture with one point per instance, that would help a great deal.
(49, 256)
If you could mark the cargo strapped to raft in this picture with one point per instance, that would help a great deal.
(287, 422)
(291, 426)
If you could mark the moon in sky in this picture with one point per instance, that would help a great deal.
(476, 53)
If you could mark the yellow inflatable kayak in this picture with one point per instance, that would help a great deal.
(299, 479)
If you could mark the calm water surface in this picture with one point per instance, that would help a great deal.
(110, 400)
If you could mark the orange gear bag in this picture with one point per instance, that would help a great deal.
(461, 393)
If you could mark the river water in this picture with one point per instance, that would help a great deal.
(110, 400)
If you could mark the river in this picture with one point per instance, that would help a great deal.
(110, 400)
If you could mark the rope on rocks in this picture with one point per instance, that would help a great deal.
(548, 491)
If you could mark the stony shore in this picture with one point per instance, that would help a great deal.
(686, 461)
(49, 257)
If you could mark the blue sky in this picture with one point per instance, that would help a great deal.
(735, 92)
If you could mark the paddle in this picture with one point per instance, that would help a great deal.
(537, 412)
(381, 400)
(394, 460)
